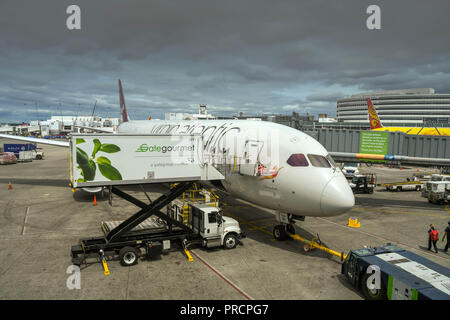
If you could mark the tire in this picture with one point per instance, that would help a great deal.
(399, 189)
(38, 157)
(418, 188)
(128, 256)
(230, 241)
(376, 294)
(279, 233)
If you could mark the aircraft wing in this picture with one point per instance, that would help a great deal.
(37, 140)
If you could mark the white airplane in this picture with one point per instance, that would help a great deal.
(294, 174)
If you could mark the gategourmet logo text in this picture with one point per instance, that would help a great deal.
(163, 149)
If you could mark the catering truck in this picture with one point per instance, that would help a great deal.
(390, 272)
(207, 227)
(104, 161)
(24, 151)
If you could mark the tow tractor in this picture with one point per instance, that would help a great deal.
(363, 183)
(390, 272)
(143, 235)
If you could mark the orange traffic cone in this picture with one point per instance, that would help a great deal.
(95, 200)
(10, 186)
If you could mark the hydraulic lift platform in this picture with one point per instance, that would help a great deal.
(122, 240)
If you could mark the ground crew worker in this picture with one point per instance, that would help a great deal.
(446, 234)
(433, 237)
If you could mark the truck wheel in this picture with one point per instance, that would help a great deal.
(230, 241)
(372, 294)
(128, 256)
(418, 188)
(38, 157)
(279, 233)
(399, 189)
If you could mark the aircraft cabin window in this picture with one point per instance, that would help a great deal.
(297, 160)
(319, 161)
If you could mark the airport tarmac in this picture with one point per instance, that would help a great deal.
(40, 219)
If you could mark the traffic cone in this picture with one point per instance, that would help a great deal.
(95, 200)
(10, 186)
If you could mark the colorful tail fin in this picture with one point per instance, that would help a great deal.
(123, 107)
(374, 120)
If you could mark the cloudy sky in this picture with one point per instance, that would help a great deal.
(251, 56)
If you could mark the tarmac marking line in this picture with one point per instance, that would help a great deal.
(252, 225)
(379, 237)
(25, 221)
(403, 212)
(235, 287)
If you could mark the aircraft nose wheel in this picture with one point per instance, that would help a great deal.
(279, 232)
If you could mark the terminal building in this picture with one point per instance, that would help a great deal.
(408, 107)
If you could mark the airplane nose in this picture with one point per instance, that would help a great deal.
(337, 197)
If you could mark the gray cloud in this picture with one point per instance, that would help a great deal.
(252, 56)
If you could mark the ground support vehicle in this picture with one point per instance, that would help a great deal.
(140, 236)
(434, 178)
(439, 192)
(401, 275)
(404, 186)
(363, 183)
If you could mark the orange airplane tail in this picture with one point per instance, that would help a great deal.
(375, 122)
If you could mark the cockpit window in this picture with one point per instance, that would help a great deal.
(330, 159)
(319, 161)
(297, 160)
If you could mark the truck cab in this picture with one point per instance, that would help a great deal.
(215, 228)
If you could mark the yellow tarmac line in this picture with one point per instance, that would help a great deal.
(447, 209)
(403, 212)
(252, 225)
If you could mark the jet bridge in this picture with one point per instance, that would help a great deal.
(124, 159)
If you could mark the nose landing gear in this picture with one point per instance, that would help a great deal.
(286, 228)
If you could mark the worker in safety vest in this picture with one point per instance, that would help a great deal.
(433, 237)
(447, 234)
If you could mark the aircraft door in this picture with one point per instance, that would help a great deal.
(249, 163)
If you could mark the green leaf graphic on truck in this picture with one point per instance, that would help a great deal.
(88, 166)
